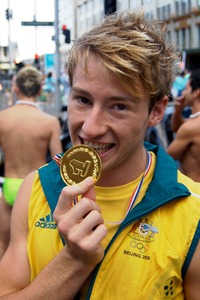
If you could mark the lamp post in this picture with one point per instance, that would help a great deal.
(8, 17)
(57, 60)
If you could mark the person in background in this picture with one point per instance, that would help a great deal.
(12, 95)
(26, 135)
(179, 83)
(186, 144)
(181, 110)
(49, 87)
(65, 96)
(49, 84)
(134, 233)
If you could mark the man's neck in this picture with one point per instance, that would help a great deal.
(23, 97)
(196, 107)
(26, 102)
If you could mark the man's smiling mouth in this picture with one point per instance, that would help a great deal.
(98, 147)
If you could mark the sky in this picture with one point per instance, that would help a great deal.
(30, 39)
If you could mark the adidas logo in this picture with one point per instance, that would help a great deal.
(46, 222)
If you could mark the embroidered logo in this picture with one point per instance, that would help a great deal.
(46, 222)
(143, 231)
(142, 234)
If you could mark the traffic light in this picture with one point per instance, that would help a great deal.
(67, 34)
(5, 51)
(7, 14)
(110, 6)
(37, 61)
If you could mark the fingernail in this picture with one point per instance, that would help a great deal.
(89, 180)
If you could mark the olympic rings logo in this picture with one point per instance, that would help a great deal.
(140, 246)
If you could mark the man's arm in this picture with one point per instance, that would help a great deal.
(55, 145)
(14, 267)
(181, 142)
(177, 117)
(83, 229)
(5, 212)
(192, 278)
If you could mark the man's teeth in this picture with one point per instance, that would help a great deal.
(100, 148)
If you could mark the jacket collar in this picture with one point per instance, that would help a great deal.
(164, 186)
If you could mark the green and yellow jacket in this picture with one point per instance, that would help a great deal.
(148, 255)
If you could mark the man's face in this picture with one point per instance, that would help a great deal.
(103, 115)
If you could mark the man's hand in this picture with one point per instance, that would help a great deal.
(177, 118)
(81, 225)
(179, 104)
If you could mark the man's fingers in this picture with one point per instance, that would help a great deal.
(78, 213)
(70, 192)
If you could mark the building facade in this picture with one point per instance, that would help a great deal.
(181, 16)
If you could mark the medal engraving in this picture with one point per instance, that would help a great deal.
(78, 163)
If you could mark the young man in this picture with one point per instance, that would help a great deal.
(134, 233)
(185, 146)
(26, 135)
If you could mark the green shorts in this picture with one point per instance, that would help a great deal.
(10, 189)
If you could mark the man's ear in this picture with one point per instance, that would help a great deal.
(40, 92)
(16, 89)
(157, 112)
(197, 93)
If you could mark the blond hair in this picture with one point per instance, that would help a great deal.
(29, 81)
(133, 49)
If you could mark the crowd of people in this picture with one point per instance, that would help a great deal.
(134, 233)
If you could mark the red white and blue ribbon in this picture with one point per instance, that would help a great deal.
(136, 191)
(57, 158)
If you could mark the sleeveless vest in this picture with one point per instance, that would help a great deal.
(150, 253)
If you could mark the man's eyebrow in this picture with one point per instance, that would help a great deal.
(79, 90)
(113, 97)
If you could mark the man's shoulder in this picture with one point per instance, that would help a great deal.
(189, 125)
(7, 114)
(6, 110)
(48, 116)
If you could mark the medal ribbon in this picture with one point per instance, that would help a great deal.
(136, 191)
(57, 158)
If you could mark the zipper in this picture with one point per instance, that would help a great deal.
(125, 224)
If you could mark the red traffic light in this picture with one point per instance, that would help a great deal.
(66, 33)
(36, 56)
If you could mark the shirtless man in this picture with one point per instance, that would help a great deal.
(26, 135)
(186, 145)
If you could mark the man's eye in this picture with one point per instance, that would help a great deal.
(120, 107)
(83, 100)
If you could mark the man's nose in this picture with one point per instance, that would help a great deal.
(94, 123)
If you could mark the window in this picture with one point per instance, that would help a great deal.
(177, 39)
(168, 11)
(177, 7)
(183, 33)
(158, 13)
(183, 7)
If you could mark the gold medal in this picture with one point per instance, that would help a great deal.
(79, 162)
